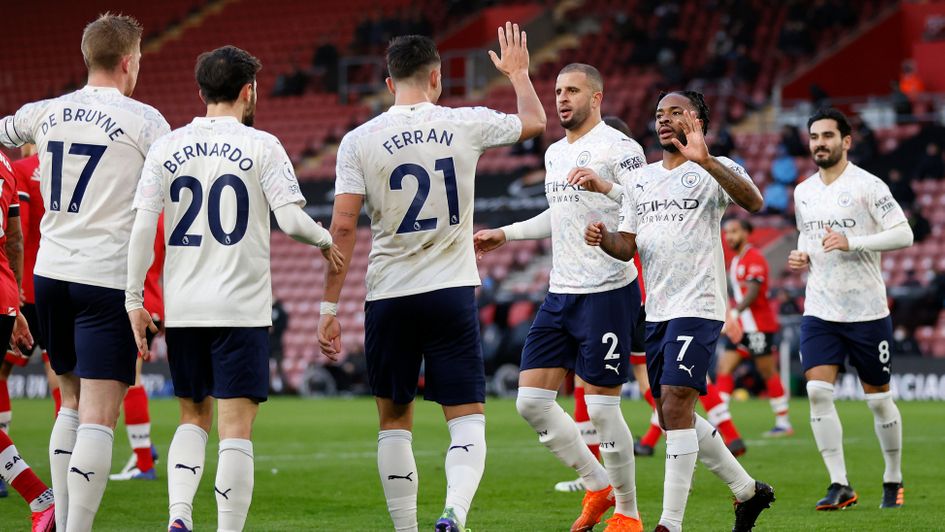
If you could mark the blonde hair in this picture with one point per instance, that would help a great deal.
(109, 38)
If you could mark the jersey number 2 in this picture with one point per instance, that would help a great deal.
(410, 223)
(57, 148)
(180, 237)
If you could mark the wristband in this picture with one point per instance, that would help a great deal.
(326, 308)
(615, 192)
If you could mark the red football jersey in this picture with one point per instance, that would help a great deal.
(153, 292)
(31, 214)
(752, 266)
(9, 208)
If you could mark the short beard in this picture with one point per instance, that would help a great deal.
(249, 118)
(577, 119)
(670, 147)
(830, 161)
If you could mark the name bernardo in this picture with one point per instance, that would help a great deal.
(206, 149)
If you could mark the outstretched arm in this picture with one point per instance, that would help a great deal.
(534, 228)
(513, 62)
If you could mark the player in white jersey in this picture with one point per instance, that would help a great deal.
(672, 214)
(846, 217)
(91, 144)
(587, 319)
(216, 179)
(413, 168)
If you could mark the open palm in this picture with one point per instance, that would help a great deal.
(695, 148)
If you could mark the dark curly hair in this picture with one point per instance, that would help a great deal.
(697, 101)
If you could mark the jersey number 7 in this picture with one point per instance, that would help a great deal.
(410, 223)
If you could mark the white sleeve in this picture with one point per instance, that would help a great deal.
(150, 193)
(140, 256)
(896, 237)
(532, 229)
(883, 207)
(278, 179)
(298, 225)
(626, 156)
(492, 128)
(349, 176)
(18, 129)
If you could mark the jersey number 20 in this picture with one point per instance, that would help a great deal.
(180, 237)
(410, 223)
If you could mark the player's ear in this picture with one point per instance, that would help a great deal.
(435, 77)
(246, 94)
(125, 63)
(200, 95)
(847, 142)
(390, 85)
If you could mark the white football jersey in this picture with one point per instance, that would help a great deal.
(216, 181)
(91, 145)
(415, 165)
(576, 267)
(844, 286)
(676, 216)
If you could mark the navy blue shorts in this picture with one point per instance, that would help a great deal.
(866, 343)
(588, 333)
(679, 351)
(86, 330)
(439, 329)
(219, 362)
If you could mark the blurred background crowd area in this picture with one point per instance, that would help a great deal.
(763, 67)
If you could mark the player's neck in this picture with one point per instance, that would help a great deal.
(829, 175)
(742, 249)
(574, 134)
(408, 95)
(672, 160)
(99, 78)
(219, 110)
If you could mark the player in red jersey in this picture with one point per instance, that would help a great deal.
(13, 328)
(748, 276)
(23, 171)
(140, 465)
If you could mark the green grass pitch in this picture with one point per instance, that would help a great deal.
(316, 470)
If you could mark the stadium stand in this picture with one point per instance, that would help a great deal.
(736, 53)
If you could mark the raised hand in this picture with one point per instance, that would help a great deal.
(513, 52)
(695, 148)
(486, 240)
